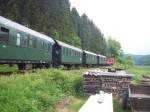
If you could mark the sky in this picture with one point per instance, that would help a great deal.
(127, 21)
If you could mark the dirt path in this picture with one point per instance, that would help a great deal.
(68, 105)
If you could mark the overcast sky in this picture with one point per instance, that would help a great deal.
(128, 21)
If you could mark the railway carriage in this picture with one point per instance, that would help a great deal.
(23, 46)
(30, 49)
(89, 58)
(67, 55)
(101, 59)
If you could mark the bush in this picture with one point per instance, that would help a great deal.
(78, 87)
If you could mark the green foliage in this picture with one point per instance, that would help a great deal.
(36, 92)
(91, 37)
(78, 86)
(124, 62)
(129, 60)
(76, 103)
(114, 48)
(118, 107)
(55, 35)
(6, 68)
(76, 41)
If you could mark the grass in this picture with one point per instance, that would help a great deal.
(6, 68)
(118, 107)
(138, 71)
(40, 91)
(76, 104)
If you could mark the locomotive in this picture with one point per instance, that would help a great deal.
(30, 49)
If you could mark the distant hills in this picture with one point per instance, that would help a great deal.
(141, 59)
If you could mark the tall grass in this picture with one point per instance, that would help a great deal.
(36, 92)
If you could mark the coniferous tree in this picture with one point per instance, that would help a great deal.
(54, 18)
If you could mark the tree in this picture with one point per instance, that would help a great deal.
(129, 60)
(75, 20)
(114, 48)
(91, 37)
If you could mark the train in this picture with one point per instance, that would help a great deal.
(30, 49)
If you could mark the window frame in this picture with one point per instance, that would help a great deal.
(24, 41)
(6, 32)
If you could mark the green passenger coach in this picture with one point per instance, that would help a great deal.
(89, 58)
(29, 49)
(23, 46)
(101, 59)
(67, 55)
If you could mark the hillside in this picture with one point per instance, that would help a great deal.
(56, 19)
(142, 59)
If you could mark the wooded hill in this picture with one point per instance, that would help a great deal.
(142, 59)
(56, 19)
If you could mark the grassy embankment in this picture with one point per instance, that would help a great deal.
(41, 91)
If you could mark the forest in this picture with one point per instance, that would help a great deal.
(58, 20)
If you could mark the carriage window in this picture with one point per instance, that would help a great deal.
(43, 45)
(18, 39)
(24, 41)
(46, 46)
(4, 35)
(30, 41)
(34, 40)
(75, 53)
(49, 47)
(64, 51)
(70, 52)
